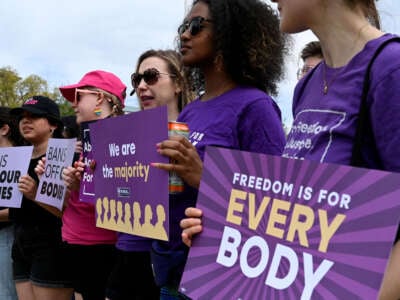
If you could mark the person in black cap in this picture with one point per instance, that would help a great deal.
(37, 252)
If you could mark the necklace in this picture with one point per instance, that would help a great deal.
(325, 83)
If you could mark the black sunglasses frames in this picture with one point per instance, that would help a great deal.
(194, 26)
(150, 77)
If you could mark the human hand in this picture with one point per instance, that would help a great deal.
(184, 159)
(72, 176)
(78, 147)
(40, 167)
(27, 186)
(191, 225)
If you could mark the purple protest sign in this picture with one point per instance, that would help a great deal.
(86, 189)
(131, 196)
(277, 228)
(14, 163)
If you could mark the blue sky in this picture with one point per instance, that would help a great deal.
(62, 40)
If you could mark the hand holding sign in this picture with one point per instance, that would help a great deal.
(51, 188)
(191, 225)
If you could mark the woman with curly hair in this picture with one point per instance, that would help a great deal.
(236, 49)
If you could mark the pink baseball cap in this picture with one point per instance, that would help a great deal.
(99, 79)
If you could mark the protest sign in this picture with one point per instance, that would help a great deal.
(59, 155)
(86, 189)
(14, 163)
(278, 228)
(131, 196)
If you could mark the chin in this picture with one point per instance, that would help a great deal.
(291, 28)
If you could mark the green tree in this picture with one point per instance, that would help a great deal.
(14, 90)
(30, 86)
(63, 104)
(8, 85)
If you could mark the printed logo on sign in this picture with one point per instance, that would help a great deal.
(123, 192)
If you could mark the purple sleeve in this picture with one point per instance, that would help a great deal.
(260, 128)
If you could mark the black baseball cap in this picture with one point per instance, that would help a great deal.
(40, 105)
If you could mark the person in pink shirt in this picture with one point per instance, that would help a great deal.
(91, 250)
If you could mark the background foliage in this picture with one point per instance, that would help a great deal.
(14, 90)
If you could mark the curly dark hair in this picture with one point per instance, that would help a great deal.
(247, 36)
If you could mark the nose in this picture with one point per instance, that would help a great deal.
(142, 85)
(185, 35)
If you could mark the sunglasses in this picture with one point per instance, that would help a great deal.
(150, 77)
(78, 93)
(194, 26)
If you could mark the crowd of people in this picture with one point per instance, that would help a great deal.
(221, 82)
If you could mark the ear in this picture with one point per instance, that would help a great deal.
(52, 128)
(4, 130)
(178, 88)
(100, 99)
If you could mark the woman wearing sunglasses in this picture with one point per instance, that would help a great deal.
(235, 50)
(159, 80)
(90, 251)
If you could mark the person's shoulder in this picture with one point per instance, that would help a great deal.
(388, 59)
(247, 94)
(388, 48)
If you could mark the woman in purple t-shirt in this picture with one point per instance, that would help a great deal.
(235, 50)
(326, 101)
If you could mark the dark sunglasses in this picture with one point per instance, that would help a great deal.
(150, 76)
(195, 25)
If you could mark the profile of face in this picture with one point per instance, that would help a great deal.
(156, 89)
(85, 103)
(309, 63)
(196, 36)
(35, 128)
(294, 14)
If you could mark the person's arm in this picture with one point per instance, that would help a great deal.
(4, 215)
(28, 187)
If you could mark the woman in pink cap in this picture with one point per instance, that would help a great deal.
(90, 250)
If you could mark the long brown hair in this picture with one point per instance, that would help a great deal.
(175, 67)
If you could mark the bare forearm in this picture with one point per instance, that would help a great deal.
(4, 215)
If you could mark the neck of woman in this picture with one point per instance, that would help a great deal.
(216, 84)
(39, 149)
(343, 35)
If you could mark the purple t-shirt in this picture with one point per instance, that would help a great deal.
(324, 126)
(243, 118)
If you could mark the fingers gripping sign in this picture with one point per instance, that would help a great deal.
(184, 159)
